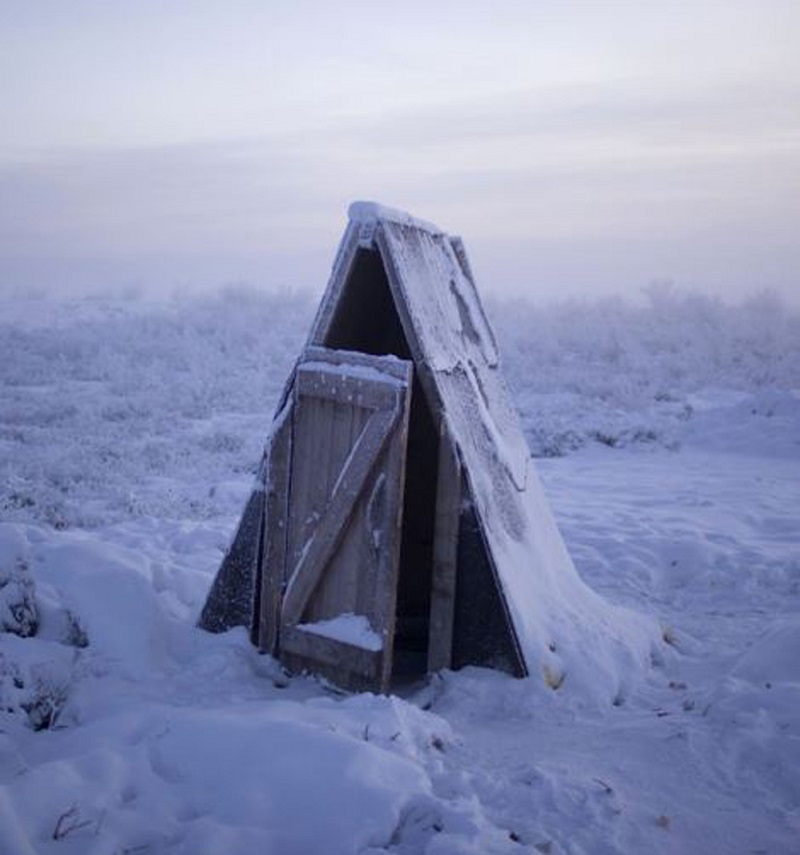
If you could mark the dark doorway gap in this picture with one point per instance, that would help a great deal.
(366, 320)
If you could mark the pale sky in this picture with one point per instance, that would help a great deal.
(578, 147)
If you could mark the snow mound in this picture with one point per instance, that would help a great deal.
(757, 705)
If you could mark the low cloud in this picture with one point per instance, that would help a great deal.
(616, 181)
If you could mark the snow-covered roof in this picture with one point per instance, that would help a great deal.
(370, 212)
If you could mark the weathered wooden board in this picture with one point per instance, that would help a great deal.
(351, 360)
(316, 552)
(482, 629)
(272, 572)
(445, 549)
(230, 600)
(331, 653)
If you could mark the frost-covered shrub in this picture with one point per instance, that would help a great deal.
(75, 635)
(12, 685)
(41, 639)
(621, 373)
(628, 353)
(18, 610)
(47, 700)
(108, 398)
(115, 409)
(36, 692)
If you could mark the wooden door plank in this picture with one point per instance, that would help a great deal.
(445, 554)
(320, 451)
(341, 655)
(391, 366)
(276, 505)
(336, 591)
(387, 549)
(351, 481)
(370, 392)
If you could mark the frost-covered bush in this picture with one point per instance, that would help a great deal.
(115, 409)
(672, 343)
(36, 691)
(619, 372)
(19, 613)
(41, 640)
(106, 398)
(47, 698)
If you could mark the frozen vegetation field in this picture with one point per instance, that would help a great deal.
(668, 440)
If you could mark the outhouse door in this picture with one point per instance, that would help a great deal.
(342, 519)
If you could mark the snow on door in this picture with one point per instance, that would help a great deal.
(343, 520)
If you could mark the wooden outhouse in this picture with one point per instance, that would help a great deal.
(398, 526)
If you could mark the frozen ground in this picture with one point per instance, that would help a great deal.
(669, 438)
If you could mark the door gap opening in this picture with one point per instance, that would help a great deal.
(366, 320)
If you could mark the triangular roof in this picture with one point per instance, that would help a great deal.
(562, 630)
(561, 625)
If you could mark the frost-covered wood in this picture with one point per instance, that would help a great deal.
(445, 556)
(340, 534)
(272, 565)
(349, 665)
(230, 601)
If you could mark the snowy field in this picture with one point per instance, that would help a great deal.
(669, 442)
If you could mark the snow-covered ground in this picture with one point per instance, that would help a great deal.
(669, 438)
